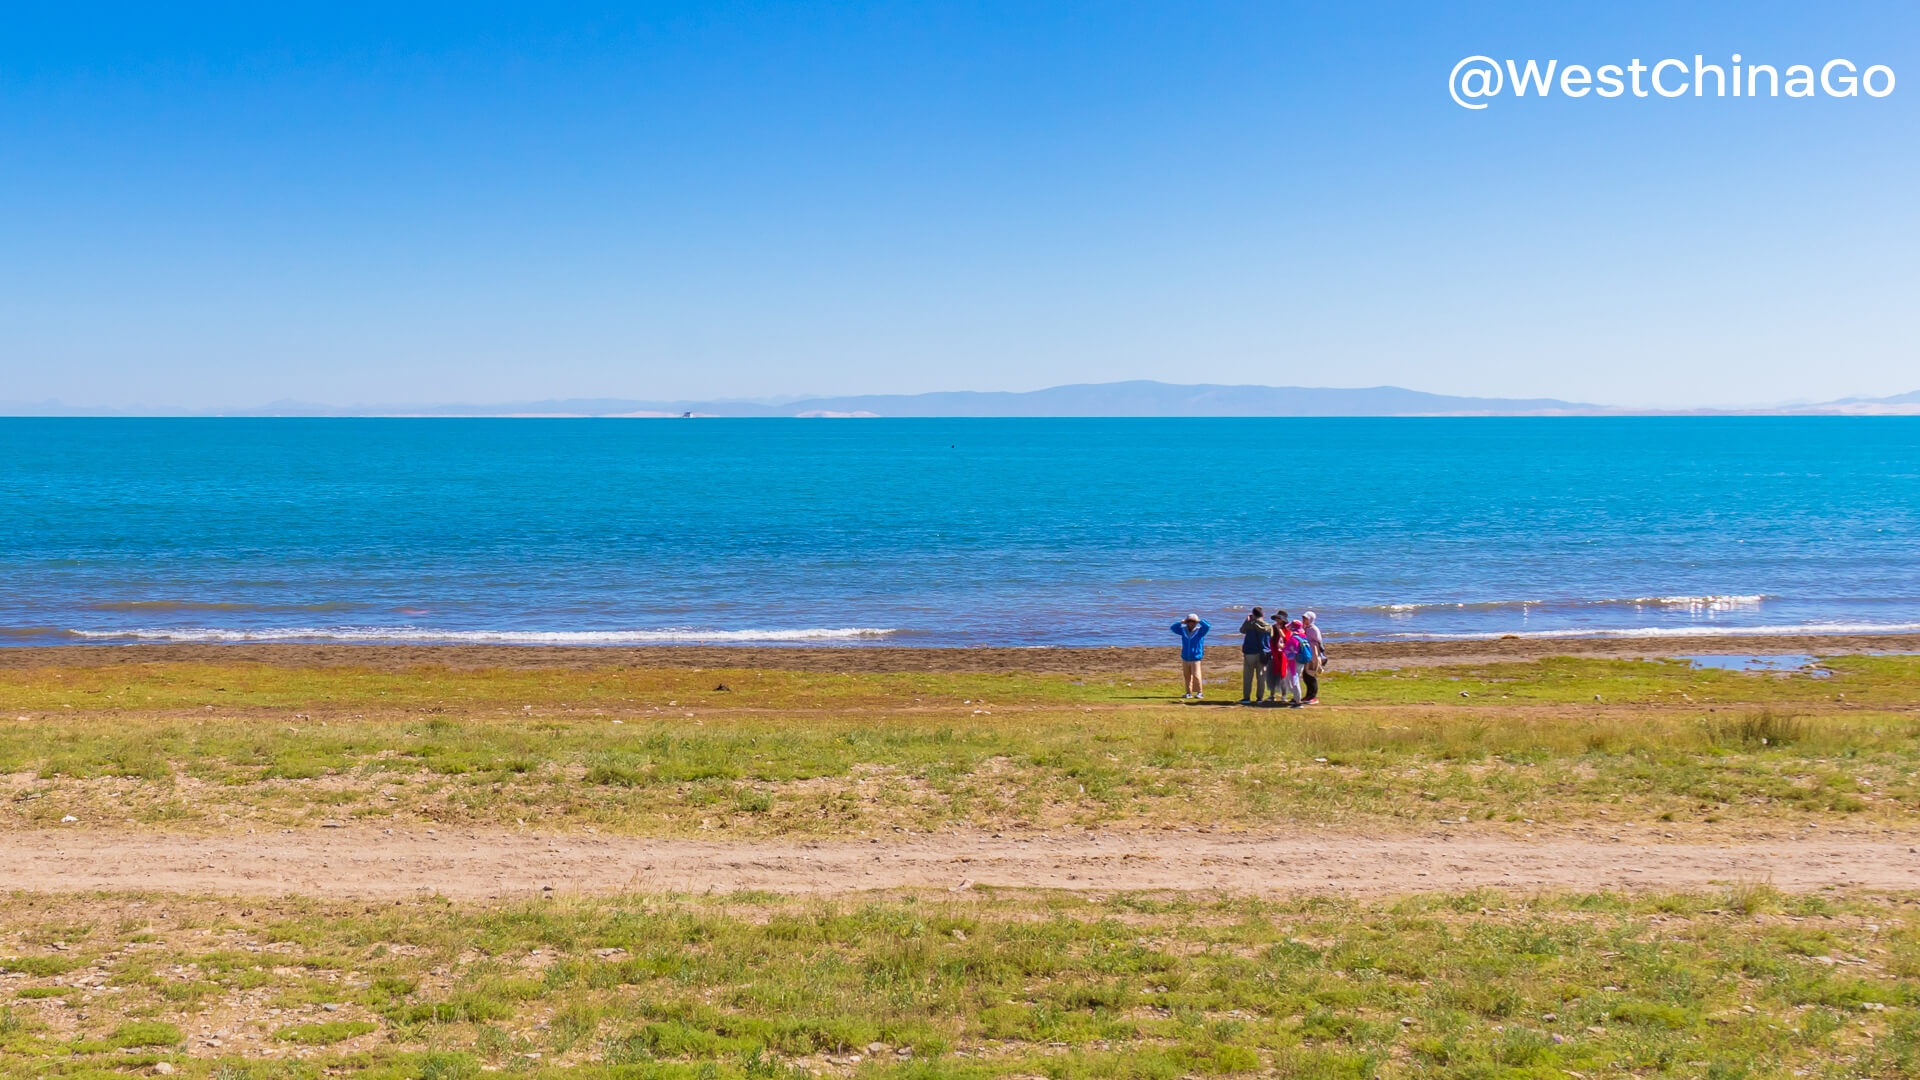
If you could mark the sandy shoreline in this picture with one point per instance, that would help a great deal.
(884, 658)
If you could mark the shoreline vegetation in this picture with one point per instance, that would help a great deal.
(857, 742)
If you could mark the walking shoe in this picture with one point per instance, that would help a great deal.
(1313, 701)
(1244, 701)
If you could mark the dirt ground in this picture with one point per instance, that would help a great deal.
(469, 864)
(883, 658)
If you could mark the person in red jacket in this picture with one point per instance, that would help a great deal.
(1286, 662)
(1277, 658)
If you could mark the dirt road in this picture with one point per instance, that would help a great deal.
(464, 864)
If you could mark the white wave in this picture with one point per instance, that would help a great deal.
(1698, 603)
(1461, 605)
(1717, 603)
(1677, 631)
(484, 637)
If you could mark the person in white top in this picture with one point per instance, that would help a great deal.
(1311, 677)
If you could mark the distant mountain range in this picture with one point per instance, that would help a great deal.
(1137, 398)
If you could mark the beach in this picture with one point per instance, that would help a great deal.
(500, 736)
(1348, 655)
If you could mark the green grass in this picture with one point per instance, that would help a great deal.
(787, 753)
(1739, 982)
(1867, 680)
(144, 1033)
(39, 965)
(325, 1034)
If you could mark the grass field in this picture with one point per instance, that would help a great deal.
(1738, 982)
(659, 751)
(1741, 982)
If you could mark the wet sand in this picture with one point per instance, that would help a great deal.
(1351, 655)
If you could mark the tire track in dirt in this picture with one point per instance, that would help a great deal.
(476, 864)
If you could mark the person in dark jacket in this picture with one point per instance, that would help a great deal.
(1274, 662)
(1193, 632)
(1255, 634)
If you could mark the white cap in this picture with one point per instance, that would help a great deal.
(1191, 617)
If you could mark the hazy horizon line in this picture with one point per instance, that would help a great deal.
(769, 405)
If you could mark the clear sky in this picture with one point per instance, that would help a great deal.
(204, 207)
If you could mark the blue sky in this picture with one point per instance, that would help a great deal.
(224, 206)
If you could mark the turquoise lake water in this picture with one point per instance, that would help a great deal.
(950, 532)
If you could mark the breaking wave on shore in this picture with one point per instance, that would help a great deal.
(424, 635)
(1713, 630)
(1690, 603)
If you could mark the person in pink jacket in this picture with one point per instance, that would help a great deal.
(1287, 665)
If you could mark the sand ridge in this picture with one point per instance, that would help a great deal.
(471, 864)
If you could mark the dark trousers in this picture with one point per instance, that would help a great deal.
(1313, 684)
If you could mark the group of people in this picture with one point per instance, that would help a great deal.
(1280, 661)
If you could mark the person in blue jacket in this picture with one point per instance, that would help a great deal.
(1193, 632)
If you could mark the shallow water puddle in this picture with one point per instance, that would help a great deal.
(1783, 663)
